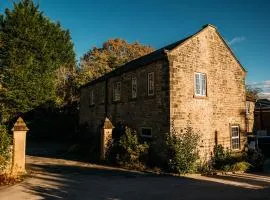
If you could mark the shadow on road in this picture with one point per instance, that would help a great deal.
(62, 179)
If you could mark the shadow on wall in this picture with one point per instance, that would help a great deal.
(84, 181)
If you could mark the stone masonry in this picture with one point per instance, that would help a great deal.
(174, 103)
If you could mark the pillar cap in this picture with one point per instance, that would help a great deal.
(20, 125)
(107, 124)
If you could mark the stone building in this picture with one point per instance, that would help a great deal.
(197, 80)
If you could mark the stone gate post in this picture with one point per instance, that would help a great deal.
(19, 142)
(106, 136)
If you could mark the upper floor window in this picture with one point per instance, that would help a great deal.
(200, 84)
(235, 137)
(134, 87)
(146, 132)
(117, 91)
(91, 98)
(151, 83)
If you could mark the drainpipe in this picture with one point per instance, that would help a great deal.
(106, 97)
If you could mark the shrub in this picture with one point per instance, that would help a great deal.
(4, 146)
(221, 157)
(127, 151)
(240, 166)
(182, 150)
(227, 161)
(158, 152)
(256, 160)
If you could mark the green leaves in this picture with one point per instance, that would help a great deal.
(32, 49)
(182, 150)
(4, 146)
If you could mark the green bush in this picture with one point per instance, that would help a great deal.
(182, 150)
(158, 152)
(4, 146)
(225, 160)
(241, 166)
(256, 160)
(127, 151)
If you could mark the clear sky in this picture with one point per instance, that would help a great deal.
(245, 24)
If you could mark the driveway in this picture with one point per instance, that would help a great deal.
(53, 175)
(54, 178)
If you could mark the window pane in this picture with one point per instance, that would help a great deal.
(117, 91)
(151, 83)
(200, 84)
(235, 132)
(203, 84)
(235, 137)
(235, 143)
(146, 132)
(197, 87)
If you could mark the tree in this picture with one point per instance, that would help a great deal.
(33, 51)
(114, 53)
(253, 92)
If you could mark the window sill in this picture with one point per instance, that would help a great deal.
(150, 96)
(146, 136)
(236, 150)
(116, 102)
(199, 97)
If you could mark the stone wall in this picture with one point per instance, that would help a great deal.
(250, 116)
(224, 104)
(144, 111)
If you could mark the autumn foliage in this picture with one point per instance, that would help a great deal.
(113, 53)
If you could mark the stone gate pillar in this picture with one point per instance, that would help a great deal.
(106, 136)
(19, 142)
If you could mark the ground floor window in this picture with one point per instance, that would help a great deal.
(235, 137)
(146, 132)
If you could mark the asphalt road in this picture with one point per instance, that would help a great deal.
(54, 178)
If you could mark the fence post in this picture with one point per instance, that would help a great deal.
(106, 136)
(19, 142)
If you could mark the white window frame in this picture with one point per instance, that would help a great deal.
(91, 98)
(134, 87)
(151, 84)
(146, 136)
(235, 137)
(117, 91)
(200, 84)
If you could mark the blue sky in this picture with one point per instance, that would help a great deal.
(244, 24)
